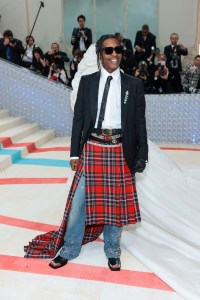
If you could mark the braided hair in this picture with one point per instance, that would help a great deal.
(99, 46)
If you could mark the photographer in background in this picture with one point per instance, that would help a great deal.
(73, 66)
(128, 62)
(145, 44)
(161, 75)
(143, 73)
(191, 80)
(173, 53)
(11, 48)
(57, 57)
(39, 64)
(27, 58)
(57, 74)
(81, 36)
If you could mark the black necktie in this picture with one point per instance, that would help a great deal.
(103, 103)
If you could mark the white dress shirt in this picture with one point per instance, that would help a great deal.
(112, 118)
(28, 56)
(82, 44)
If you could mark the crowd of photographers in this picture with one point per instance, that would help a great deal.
(160, 72)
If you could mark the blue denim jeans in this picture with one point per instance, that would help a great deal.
(76, 227)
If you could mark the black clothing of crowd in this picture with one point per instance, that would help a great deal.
(160, 72)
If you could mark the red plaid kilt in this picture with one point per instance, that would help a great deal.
(111, 198)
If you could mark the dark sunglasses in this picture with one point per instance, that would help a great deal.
(109, 50)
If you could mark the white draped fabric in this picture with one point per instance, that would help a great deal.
(168, 239)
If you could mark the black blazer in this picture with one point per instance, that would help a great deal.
(146, 44)
(15, 52)
(129, 48)
(168, 51)
(88, 42)
(52, 58)
(134, 136)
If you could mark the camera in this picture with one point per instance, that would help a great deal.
(192, 90)
(152, 50)
(76, 33)
(77, 59)
(12, 40)
(55, 66)
(143, 69)
(162, 71)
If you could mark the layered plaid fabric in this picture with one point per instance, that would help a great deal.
(111, 196)
(111, 199)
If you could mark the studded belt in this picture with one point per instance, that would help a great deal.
(106, 139)
(105, 131)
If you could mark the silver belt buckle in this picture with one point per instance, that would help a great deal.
(114, 141)
(109, 134)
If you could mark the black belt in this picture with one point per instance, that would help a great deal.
(105, 131)
(108, 140)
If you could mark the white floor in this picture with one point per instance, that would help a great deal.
(32, 197)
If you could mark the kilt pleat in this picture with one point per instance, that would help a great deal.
(111, 198)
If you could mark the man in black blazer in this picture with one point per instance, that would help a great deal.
(108, 146)
(128, 62)
(81, 36)
(145, 45)
(173, 53)
(11, 48)
(57, 57)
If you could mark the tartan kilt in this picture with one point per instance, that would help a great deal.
(111, 198)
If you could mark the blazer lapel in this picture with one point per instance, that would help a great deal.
(94, 96)
(124, 99)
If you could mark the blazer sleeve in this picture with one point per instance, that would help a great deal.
(19, 48)
(140, 123)
(137, 39)
(129, 47)
(78, 121)
(2, 46)
(88, 33)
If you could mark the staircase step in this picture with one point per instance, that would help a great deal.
(19, 132)
(38, 138)
(4, 113)
(16, 151)
(17, 138)
(10, 122)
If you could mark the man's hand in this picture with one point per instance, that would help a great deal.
(6, 41)
(182, 46)
(74, 164)
(51, 52)
(138, 48)
(83, 35)
(139, 166)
